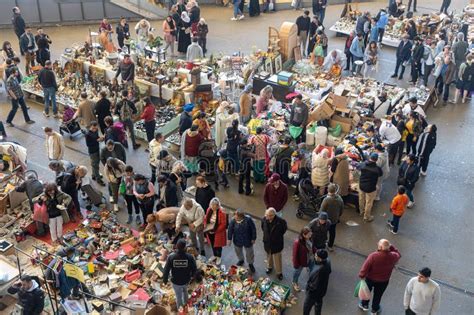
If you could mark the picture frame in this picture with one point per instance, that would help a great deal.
(268, 66)
(278, 64)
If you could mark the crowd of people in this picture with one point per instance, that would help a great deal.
(407, 140)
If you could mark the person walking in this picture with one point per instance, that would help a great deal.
(403, 56)
(303, 256)
(148, 116)
(333, 205)
(202, 30)
(102, 110)
(369, 175)
(422, 294)
(54, 144)
(17, 98)
(242, 233)
(144, 191)
(303, 23)
(320, 228)
(215, 229)
(169, 32)
(413, 128)
(85, 111)
(275, 195)
(47, 80)
(93, 149)
(114, 169)
(408, 175)
(154, 150)
(376, 272)
(274, 229)
(381, 24)
(424, 147)
(347, 51)
(182, 267)
(112, 149)
(317, 285)
(19, 25)
(126, 110)
(29, 48)
(260, 141)
(445, 6)
(56, 201)
(123, 34)
(371, 60)
(192, 214)
(319, 9)
(398, 208)
(238, 14)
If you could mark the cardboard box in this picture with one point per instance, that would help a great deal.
(346, 123)
(321, 112)
(339, 102)
(158, 310)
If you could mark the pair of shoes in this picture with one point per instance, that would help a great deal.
(296, 287)
(411, 204)
(45, 114)
(296, 197)
(9, 124)
(452, 101)
(369, 219)
(362, 307)
(280, 276)
(233, 19)
(147, 150)
(389, 223)
(252, 268)
(269, 271)
(240, 263)
(130, 219)
(29, 122)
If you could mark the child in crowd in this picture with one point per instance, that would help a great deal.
(398, 208)
(222, 168)
(126, 189)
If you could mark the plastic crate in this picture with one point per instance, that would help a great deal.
(285, 294)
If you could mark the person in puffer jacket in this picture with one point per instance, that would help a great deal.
(369, 176)
(192, 214)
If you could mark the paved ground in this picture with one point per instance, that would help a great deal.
(437, 232)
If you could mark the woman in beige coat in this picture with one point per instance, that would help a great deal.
(340, 170)
(320, 170)
(54, 144)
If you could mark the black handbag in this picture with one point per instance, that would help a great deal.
(402, 180)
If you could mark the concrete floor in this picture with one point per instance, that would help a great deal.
(437, 232)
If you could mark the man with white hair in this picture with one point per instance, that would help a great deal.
(335, 57)
(274, 229)
(192, 214)
(376, 272)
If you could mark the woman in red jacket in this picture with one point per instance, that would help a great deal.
(148, 116)
(303, 255)
(215, 228)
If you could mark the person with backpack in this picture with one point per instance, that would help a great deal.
(144, 191)
(317, 283)
(408, 175)
(126, 110)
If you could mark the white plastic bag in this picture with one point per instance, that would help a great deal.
(364, 292)
(271, 6)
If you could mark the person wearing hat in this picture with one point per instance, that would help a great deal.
(317, 283)
(320, 228)
(403, 56)
(165, 163)
(369, 176)
(182, 267)
(408, 175)
(422, 294)
(186, 119)
(245, 104)
(274, 229)
(154, 151)
(376, 272)
(243, 233)
(333, 205)
(275, 194)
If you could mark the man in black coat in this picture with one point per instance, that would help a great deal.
(317, 283)
(185, 120)
(18, 24)
(274, 229)
(408, 175)
(30, 295)
(417, 56)
(369, 175)
(168, 193)
(113, 149)
(403, 56)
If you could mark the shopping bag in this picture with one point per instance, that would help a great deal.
(364, 292)
(122, 188)
(40, 213)
(357, 288)
(295, 131)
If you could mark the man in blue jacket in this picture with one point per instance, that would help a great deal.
(357, 49)
(403, 56)
(243, 232)
(382, 22)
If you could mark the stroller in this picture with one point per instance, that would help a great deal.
(69, 124)
(207, 161)
(310, 200)
(93, 196)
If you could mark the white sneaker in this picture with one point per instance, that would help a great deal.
(45, 114)
(211, 260)
(116, 207)
(241, 17)
(218, 261)
(423, 173)
(411, 204)
(111, 199)
(233, 19)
